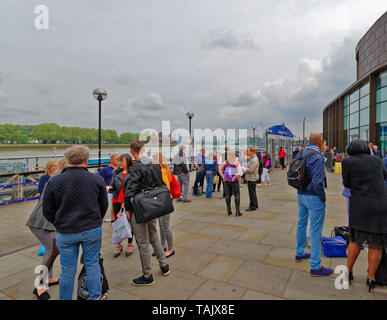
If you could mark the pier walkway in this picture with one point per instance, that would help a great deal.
(217, 257)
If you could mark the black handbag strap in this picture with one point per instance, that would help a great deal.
(159, 179)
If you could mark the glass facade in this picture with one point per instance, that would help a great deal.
(381, 110)
(357, 113)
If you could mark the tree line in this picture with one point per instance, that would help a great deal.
(53, 133)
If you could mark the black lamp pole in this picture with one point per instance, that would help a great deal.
(99, 133)
(99, 94)
(303, 133)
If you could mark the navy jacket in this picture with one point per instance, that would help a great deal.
(42, 182)
(107, 174)
(75, 201)
(315, 167)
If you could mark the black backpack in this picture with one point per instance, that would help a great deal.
(381, 272)
(297, 175)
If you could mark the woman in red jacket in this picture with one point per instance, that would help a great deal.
(281, 157)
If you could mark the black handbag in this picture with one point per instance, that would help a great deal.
(152, 203)
(342, 232)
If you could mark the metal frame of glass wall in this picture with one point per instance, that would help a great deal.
(381, 110)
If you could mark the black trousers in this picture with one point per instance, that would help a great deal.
(282, 162)
(116, 209)
(232, 188)
(252, 186)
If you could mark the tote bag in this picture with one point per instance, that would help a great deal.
(121, 228)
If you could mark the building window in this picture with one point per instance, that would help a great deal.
(346, 100)
(354, 134)
(382, 128)
(365, 89)
(354, 96)
(364, 133)
(365, 102)
(381, 80)
(381, 112)
(354, 120)
(381, 95)
(346, 123)
(354, 107)
(365, 117)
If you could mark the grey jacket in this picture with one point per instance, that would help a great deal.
(252, 169)
(117, 182)
(37, 219)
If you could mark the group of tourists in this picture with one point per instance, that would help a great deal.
(364, 179)
(74, 203)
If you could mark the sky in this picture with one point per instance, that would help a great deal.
(234, 64)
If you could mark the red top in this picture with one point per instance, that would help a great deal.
(282, 154)
(121, 194)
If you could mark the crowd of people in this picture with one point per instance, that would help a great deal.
(74, 203)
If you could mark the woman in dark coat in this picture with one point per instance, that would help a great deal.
(364, 175)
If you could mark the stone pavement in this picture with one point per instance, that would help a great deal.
(217, 257)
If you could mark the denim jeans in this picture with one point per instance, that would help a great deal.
(209, 180)
(310, 206)
(68, 245)
(198, 181)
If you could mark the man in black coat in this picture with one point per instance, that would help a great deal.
(141, 177)
(75, 202)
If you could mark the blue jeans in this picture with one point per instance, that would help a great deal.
(198, 181)
(68, 245)
(310, 206)
(209, 179)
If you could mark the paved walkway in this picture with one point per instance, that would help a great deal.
(217, 257)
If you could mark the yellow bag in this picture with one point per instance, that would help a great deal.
(337, 167)
(216, 180)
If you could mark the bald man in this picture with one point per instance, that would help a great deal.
(311, 204)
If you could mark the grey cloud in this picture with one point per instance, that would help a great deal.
(228, 39)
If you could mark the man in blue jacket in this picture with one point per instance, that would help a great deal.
(311, 204)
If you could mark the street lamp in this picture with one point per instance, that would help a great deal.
(190, 116)
(254, 127)
(99, 94)
(303, 132)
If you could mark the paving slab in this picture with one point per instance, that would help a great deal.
(217, 290)
(255, 295)
(221, 268)
(280, 239)
(260, 277)
(240, 249)
(194, 261)
(195, 240)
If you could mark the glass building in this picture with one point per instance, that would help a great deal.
(360, 112)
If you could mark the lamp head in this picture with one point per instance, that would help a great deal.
(99, 94)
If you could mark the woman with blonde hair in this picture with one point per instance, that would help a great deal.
(166, 235)
(50, 169)
(45, 232)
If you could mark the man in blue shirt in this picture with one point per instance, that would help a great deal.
(198, 162)
(377, 152)
(312, 204)
(107, 175)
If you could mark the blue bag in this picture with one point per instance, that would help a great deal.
(334, 247)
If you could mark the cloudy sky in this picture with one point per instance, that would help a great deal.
(233, 63)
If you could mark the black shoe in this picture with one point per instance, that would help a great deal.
(43, 296)
(238, 214)
(115, 255)
(229, 213)
(371, 284)
(250, 209)
(350, 277)
(165, 270)
(142, 281)
(53, 283)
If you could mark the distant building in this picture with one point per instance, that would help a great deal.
(360, 112)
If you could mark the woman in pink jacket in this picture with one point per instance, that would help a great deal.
(266, 160)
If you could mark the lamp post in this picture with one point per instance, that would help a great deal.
(190, 116)
(100, 95)
(254, 127)
(303, 132)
